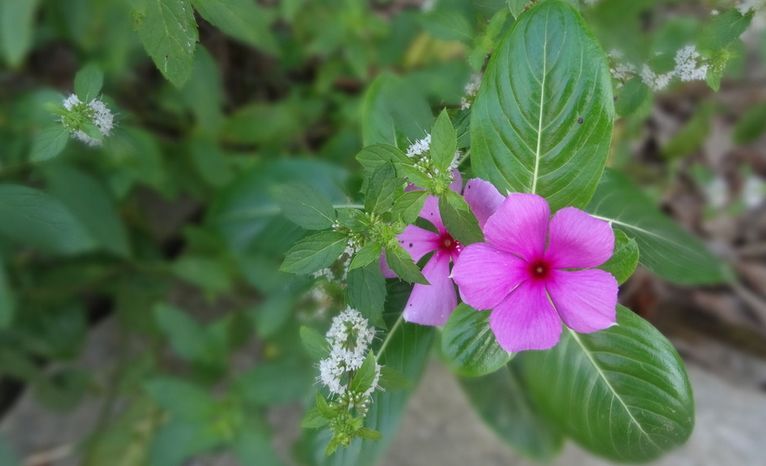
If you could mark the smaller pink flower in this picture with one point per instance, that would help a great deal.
(432, 304)
(535, 271)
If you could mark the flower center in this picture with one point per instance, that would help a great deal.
(449, 244)
(539, 269)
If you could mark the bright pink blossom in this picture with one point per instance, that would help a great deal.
(535, 271)
(432, 304)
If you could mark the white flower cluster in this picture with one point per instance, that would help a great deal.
(470, 90)
(419, 147)
(746, 6)
(655, 81)
(95, 111)
(690, 65)
(349, 338)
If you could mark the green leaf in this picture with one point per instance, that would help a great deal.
(187, 337)
(365, 375)
(393, 107)
(622, 393)
(169, 33)
(210, 274)
(401, 263)
(314, 343)
(625, 258)
(666, 249)
(381, 189)
(632, 95)
(181, 398)
(253, 445)
(17, 21)
(503, 403)
(366, 255)
(459, 220)
(469, 345)
(244, 20)
(408, 205)
(179, 439)
(37, 219)
(304, 206)
(751, 125)
(375, 156)
(48, 143)
(93, 205)
(692, 135)
(314, 252)
(443, 142)
(542, 122)
(88, 82)
(275, 382)
(517, 7)
(366, 291)
(7, 299)
(723, 29)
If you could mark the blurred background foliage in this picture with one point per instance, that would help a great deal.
(169, 237)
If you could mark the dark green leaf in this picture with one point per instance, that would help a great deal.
(365, 375)
(666, 249)
(169, 33)
(401, 263)
(304, 206)
(366, 255)
(408, 205)
(381, 189)
(393, 107)
(253, 445)
(88, 82)
(723, 29)
(621, 393)
(17, 20)
(375, 156)
(443, 142)
(275, 382)
(315, 344)
(459, 220)
(469, 345)
(179, 439)
(503, 403)
(7, 299)
(632, 95)
(542, 122)
(181, 398)
(314, 252)
(692, 135)
(517, 7)
(367, 291)
(625, 258)
(48, 143)
(242, 19)
(751, 125)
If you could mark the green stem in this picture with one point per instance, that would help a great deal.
(348, 206)
(394, 328)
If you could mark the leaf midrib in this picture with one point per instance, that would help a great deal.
(542, 103)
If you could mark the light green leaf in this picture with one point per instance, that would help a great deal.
(275, 382)
(666, 249)
(304, 206)
(469, 345)
(253, 445)
(401, 263)
(17, 21)
(314, 252)
(315, 344)
(542, 122)
(169, 33)
(181, 398)
(459, 220)
(88, 82)
(625, 258)
(366, 291)
(39, 220)
(408, 205)
(208, 273)
(517, 7)
(242, 19)
(503, 403)
(443, 142)
(368, 254)
(723, 29)
(621, 393)
(48, 143)
(392, 107)
(382, 189)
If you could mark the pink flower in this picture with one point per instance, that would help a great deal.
(432, 304)
(523, 273)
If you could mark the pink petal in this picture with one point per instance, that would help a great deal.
(526, 320)
(486, 276)
(430, 212)
(519, 225)
(432, 304)
(586, 300)
(457, 181)
(483, 198)
(577, 240)
(418, 241)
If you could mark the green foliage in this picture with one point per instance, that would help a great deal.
(624, 261)
(534, 128)
(242, 19)
(469, 345)
(314, 252)
(367, 290)
(622, 393)
(16, 29)
(48, 143)
(751, 125)
(306, 207)
(459, 219)
(88, 82)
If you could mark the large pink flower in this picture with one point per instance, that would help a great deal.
(524, 273)
(432, 304)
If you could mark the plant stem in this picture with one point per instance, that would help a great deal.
(348, 206)
(394, 328)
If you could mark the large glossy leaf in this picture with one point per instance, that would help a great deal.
(665, 248)
(407, 353)
(542, 121)
(502, 402)
(469, 345)
(622, 393)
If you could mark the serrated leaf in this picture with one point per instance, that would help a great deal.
(242, 19)
(375, 156)
(169, 33)
(48, 143)
(382, 188)
(314, 252)
(443, 142)
(665, 248)
(622, 393)
(366, 291)
(305, 206)
(365, 375)
(723, 29)
(503, 403)
(459, 220)
(408, 205)
(401, 263)
(625, 258)
(315, 344)
(366, 255)
(542, 121)
(469, 345)
(88, 82)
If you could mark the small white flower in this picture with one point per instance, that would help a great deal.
(746, 6)
(717, 192)
(375, 381)
(350, 337)
(71, 101)
(419, 147)
(753, 192)
(331, 372)
(470, 90)
(102, 116)
(656, 82)
(95, 111)
(689, 65)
